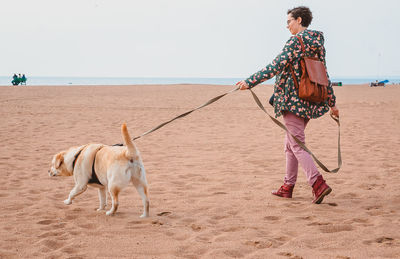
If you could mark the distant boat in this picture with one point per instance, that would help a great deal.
(336, 83)
(380, 83)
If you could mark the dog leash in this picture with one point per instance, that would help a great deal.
(301, 143)
(257, 100)
(187, 113)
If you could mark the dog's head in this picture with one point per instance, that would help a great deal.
(59, 165)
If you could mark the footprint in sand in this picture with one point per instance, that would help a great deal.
(195, 227)
(306, 217)
(316, 223)
(231, 229)
(70, 250)
(363, 221)
(219, 217)
(234, 253)
(368, 186)
(45, 222)
(51, 234)
(71, 217)
(335, 228)
(59, 225)
(219, 193)
(8, 228)
(34, 191)
(386, 240)
(233, 212)
(135, 224)
(389, 241)
(77, 210)
(49, 225)
(157, 222)
(164, 213)
(374, 210)
(88, 226)
(2, 195)
(51, 243)
(272, 218)
(74, 233)
(179, 236)
(291, 255)
(16, 207)
(349, 195)
(259, 244)
(188, 252)
(204, 237)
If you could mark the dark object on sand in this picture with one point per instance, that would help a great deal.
(381, 83)
(18, 80)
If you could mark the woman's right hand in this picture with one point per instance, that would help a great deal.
(243, 85)
(335, 111)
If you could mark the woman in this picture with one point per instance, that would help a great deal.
(296, 112)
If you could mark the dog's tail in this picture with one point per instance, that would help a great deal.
(131, 148)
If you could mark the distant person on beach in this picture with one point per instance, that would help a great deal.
(15, 80)
(296, 112)
(23, 79)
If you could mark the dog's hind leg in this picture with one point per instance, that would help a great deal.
(102, 199)
(78, 189)
(142, 189)
(114, 191)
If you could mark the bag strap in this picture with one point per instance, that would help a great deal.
(301, 143)
(296, 84)
(302, 44)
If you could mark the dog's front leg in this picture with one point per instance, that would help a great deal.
(102, 199)
(78, 189)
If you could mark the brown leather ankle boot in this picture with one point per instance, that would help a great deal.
(320, 190)
(285, 191)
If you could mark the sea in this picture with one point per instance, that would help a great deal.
(71, 81)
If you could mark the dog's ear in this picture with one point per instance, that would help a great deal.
(59, 160)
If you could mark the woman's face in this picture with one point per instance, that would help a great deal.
(294, 25)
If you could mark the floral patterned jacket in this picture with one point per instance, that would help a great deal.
(285, 93)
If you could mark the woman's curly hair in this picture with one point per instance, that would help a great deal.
(303, 12)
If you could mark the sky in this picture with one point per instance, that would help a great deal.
(185, 38)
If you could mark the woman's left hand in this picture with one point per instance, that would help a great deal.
(243, 85)
(335, 111)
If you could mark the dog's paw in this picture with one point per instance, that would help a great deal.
(67, 201)
(110, 213)
(144, 215)
(100, 209)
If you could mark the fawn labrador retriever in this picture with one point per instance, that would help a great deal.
(109, 168)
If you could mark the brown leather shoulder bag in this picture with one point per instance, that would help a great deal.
(314, 81)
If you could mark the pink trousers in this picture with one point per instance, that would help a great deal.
(296, 155)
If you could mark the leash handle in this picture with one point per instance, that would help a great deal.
(280, 124)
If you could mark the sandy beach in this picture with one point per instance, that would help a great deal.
(210, 176)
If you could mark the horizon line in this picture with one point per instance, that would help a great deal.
(206, 77)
